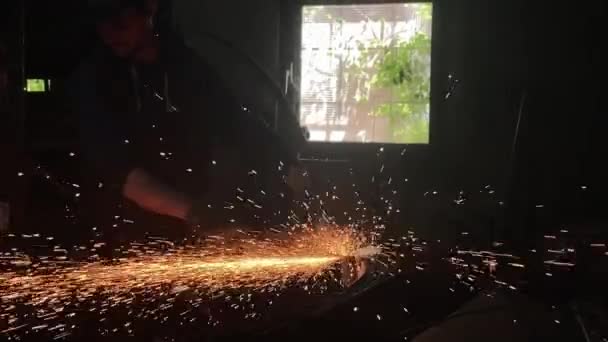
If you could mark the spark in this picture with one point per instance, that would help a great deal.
(221, 264)
(557, 263)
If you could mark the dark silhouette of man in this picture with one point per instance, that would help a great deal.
(151, 115)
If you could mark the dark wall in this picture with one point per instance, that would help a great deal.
(10, 103)
(480, 60)
(232, 38)
(503, 53)
(560, 163)
(546, 58)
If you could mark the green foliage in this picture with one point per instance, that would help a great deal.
(35, 85)
(425, 10)
(402, 68)
(388, 69)
(405, 70)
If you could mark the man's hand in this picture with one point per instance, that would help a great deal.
(152, 195)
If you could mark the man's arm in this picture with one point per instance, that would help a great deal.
(111, 161)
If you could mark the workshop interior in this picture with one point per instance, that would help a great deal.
(357, 170)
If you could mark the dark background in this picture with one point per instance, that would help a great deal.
(502, 53)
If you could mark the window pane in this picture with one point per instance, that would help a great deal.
(366, 72)
(35, 85)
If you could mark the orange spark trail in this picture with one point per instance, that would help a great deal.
(207, 270)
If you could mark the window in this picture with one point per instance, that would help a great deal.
(35, 85)
(365, 73)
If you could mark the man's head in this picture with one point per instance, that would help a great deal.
(124, 26)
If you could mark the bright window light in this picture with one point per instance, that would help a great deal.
(365, 73)
(35, 85)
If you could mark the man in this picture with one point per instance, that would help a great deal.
(151, 115)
